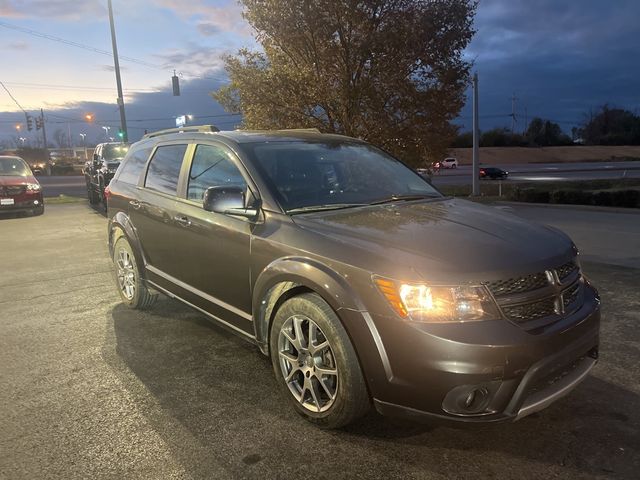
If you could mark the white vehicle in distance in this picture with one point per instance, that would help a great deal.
(449, 162)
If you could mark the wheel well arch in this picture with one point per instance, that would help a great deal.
(288, 277)
(120, 226)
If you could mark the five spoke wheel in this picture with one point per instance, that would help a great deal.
(308, 364)
(126, 274)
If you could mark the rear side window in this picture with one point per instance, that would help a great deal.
(164, 169)
(211, 167)
(131, 168)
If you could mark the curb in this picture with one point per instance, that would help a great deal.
(591, 208)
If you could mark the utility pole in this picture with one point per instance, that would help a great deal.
(116, 62)
(475, 171)
(513, 113)
(44, 139)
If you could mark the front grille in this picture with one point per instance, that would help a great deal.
(518, 284)
(530, 311)
(12, 190)
(565, 270)
(570, 295)
(539, 299)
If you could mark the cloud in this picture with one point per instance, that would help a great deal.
(559, 58)
(208, 29)
(194, 60)
(21, 46)
(145, 111)
(225, 18)
(69, 10)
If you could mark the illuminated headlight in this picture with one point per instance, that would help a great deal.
(33, 187)
(424, 303)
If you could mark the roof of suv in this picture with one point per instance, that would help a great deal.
(253, 136)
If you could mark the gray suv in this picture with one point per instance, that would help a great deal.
(363, 283)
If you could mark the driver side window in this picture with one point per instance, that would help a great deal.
(212, 167)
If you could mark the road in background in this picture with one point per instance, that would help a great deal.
(74, 186)
(91, 389)
(546, 172)
(70, 185)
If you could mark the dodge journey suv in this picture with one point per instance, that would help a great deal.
(363, 283)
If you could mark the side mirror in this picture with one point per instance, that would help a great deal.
(229, 200)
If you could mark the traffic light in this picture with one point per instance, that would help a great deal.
(29, 122)
(39, 123)
(120, 134)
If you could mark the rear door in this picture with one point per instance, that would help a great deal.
(212, 262)
(153, 211)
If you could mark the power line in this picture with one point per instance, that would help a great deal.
(100, 51)
(13, 98)
(76, 44)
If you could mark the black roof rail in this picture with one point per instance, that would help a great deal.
(194, 128)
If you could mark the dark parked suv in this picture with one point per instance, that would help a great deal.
(99, 171)
(360, 280)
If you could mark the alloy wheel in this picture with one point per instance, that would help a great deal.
(308, 363)
(126, 274)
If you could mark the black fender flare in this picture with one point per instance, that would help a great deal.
(120, 222)
(299, 273)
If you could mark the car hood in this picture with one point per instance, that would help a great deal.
(444, 240)
(7, 180)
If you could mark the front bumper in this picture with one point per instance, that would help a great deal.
(431, 368)
(24, 202)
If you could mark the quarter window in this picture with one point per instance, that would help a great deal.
(132, 166)
(212, 167)
(164, 169)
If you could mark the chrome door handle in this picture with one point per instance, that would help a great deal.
(182, 220)
(135, 204)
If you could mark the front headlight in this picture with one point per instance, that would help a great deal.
(425, 303)
(33, 187)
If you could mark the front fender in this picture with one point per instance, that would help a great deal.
(298, 272)
(287, 276)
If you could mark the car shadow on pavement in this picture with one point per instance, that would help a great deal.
(214, 400)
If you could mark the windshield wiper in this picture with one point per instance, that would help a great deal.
(404, 198)
(319, 208)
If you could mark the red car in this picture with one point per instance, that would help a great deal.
(19, 189)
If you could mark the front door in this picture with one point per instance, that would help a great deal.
(212, 261)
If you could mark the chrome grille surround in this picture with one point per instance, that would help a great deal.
(538, 300)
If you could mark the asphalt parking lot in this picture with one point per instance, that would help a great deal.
(93, 390)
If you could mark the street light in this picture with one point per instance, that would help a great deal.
(22, 139)
(88, 117)
(84, 144)
(18, 126)
(106, 130)
(111, 139)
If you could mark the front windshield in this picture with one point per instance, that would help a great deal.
(341, 174)
(115, 152)
(13, 166)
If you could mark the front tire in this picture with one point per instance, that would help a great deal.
(133, 292)
(316, 364)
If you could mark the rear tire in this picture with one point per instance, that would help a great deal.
(324, 382)
(92, 195)
(133, 292)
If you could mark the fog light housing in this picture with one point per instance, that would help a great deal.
(469, 400)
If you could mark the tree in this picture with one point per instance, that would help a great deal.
(501, 137)
(388, 71)
(611, 126)
(60, 137)
(544, 133)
